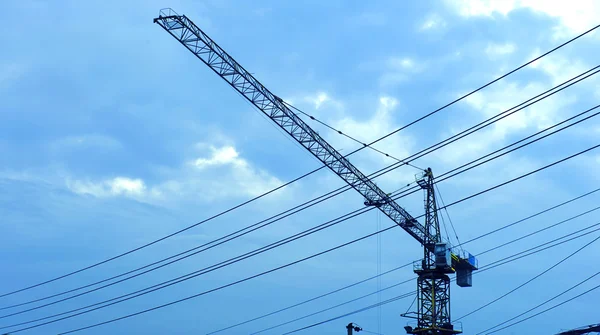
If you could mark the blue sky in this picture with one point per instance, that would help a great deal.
(112, 135)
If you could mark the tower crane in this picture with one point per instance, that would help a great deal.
(439, 258)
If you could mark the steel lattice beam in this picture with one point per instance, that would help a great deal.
(196, 41)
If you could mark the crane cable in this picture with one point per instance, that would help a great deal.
(285, 265)
(310, 231)
(410, 263)
(553, 307)
(528, 281)
(539, 305)
(294, 180)
(350, 137)
(402, 296)
(484, 268)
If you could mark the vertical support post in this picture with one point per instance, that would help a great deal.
(433, 283)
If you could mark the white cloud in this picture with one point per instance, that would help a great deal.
(497, 99)
(319, 99)
(399, 69)
(558, 68)
(573, 16)
(433, 22)
(500, 49)
(111, 187)
(401, 63)
(220, 156)
(381, 123)
(222, 174)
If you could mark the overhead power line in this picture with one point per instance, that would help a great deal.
(410, 263)
(489, 266)
(281, 242)
(389, 300)
(364, 144)
(546, 310)
(529, 280)
(285, 265)
(542, 303)
(296, 179)
(287, 213)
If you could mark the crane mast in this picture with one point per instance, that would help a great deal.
(433, 315)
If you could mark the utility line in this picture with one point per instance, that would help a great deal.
(529, 281)
(410, 263)
(333, 307)
(387, 301)
(446, 174)
(546, 310)
(350, 137)
(296, 179)
(282, 266)
(491, 265)
(543, 303)
(298, 208)
(317, 228)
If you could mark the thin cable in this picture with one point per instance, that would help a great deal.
(348, 314)
(486, 85)
(412, 303)
(492, 265)
(543, 229)
(375, 305)
(410, 263)
(381, 171)
(333, 307)
(299, 235)
(530, 280)
(546, 310)
(283, 266)
(438, 180)
(296, 179)
(448, 215)
(350, 137)
(543, 303)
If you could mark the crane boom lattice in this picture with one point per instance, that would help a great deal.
(211, 54)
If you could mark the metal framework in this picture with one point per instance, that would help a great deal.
(433, 283)
(432, 313)
(583, 330)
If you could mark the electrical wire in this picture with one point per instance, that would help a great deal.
(323, 226)
(294, 180)
(437, 180)
(280, 267)
(385, 302)
(448, 215)
(317, 200)
(546, 310)
(541, 304)
(530, 280)
(410, 263)
(378, 291)
(350, 137)
(483, 269)
(382, 303)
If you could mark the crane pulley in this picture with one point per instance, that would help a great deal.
(433, 313)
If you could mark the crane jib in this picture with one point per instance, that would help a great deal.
(195, 40)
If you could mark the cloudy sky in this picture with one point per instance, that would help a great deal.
(113, 135)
